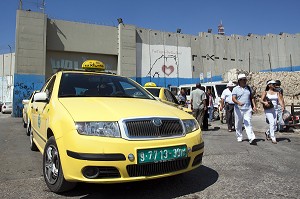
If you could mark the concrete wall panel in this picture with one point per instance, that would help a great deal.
(72, 60)
(282, 56)
(87, 37)
(273, 55)
(27, 44)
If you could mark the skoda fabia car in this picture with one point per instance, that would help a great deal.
(102, 128)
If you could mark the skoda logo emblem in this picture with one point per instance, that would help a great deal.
(157, 122)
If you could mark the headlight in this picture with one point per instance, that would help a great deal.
(190, 125)
(105, 129)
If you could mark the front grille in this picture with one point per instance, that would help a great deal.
(151, 169)
(147, 128)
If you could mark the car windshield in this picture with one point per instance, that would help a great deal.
(99, 85)
(154, 91)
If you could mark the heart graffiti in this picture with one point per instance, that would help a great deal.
(168, 70)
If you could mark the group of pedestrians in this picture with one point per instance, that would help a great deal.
(239, 103)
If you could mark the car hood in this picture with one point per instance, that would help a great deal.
(114, 109)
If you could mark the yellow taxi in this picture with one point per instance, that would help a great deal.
(98, 127)
(165, 96)
(26, 111)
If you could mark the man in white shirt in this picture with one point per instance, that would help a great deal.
(243, 98)
(198, 104)
(228, 104)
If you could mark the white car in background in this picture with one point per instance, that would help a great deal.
(6, 107)
(216, 90)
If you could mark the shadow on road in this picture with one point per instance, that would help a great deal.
(283, 139)
(169, 187)
(216, 128)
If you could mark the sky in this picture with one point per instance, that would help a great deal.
(191, 16)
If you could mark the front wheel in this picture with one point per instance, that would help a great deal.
(52, 169)
(28, 128)
(33, 146)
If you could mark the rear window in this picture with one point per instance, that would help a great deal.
(154, 91)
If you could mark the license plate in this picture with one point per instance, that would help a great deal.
(161, 154)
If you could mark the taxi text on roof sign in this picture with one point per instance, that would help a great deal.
(93, 65)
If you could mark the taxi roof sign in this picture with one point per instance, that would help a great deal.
(93, 65)
(150, 84)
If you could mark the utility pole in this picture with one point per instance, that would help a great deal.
(20, 4)
(9, 87)
(2, 77)
(150, 54)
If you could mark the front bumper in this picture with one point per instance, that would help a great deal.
(110, 157)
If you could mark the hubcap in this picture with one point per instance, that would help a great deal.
(51, 166)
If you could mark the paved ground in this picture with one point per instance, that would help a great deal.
(230, 169)
(259, 126)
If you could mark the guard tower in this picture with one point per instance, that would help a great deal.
(221, 29)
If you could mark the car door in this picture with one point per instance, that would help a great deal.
(40, 116)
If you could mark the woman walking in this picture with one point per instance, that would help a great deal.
(270, 99)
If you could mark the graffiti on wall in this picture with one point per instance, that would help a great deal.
(24, 85)
(164, 61)
(63, 64)
(168, 66)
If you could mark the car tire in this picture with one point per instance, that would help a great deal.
(28, 128)
(33, 146)
(52, 170)
(24, 124)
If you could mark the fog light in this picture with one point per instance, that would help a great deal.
(131, 157)
(90, 172)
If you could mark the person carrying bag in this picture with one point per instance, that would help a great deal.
(270, 99)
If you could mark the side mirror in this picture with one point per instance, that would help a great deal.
(25, 101)
(40, 97)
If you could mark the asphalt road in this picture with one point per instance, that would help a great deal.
(230, 169)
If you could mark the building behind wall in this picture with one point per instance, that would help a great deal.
(44, 45)
(7, 63)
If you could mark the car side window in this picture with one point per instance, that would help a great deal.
(169, 96)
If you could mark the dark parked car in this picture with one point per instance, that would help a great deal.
(1, 103)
